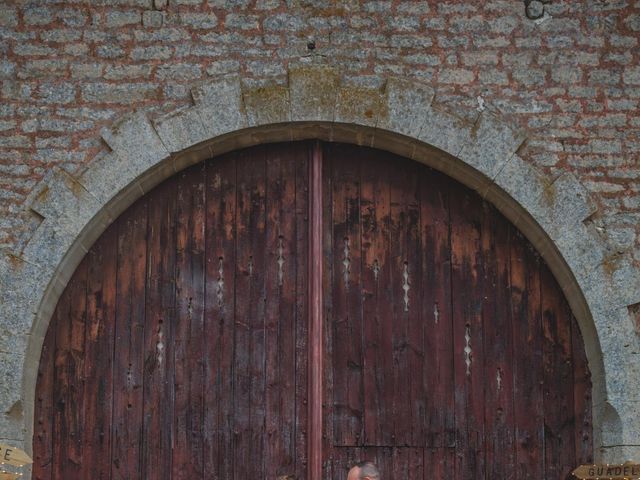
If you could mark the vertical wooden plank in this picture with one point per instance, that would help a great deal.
(280, 309)
(189, 372)
(559, 415)
(498, 341)
(439, 462)
(99, 345)
(582, 397)
(250, 316)
(129, 340)
(347, 312)
(69, 381)
(314, 264)
(158, 373)
(301, 391)
(438, 373)
(43, 434)
(466, 287)
(219, 326)
(405, 319)
(413, 400)
(377, 355)
(527, 359)
(327, 288)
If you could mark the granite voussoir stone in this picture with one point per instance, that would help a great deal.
(50, 243)
(522, 181)
(359, 105)
(267, 105)
(220, 106)
(108, 176)
(136, 141)
(445, 131)
(61, 194)
(181, 129)
(408, 104)
(313, 92)
(493, 143)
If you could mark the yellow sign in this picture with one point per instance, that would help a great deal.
(626, 471)
(13, 456)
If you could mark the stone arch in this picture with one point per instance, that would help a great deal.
(402, 117)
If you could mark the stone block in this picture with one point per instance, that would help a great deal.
(267, 105)
(181, 129)
(492, 144)
(313, 91)
(10, 393)
(408, 103)
(50, 243)
(522, 182)
(135, 140)
(359, 105)
(445, 131)
(219, 103)
(60, 194)
(582, 249)
(109, 177)
(152, 19)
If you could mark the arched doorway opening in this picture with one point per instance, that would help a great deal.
(180, 346)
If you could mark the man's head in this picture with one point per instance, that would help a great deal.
(364, 471)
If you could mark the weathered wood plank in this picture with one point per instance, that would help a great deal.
(526, 317)
(299, 264)
(129, 341)
(250, 316)
(466, 290)
(438, 374)
(99, 348)
(374, 214)
(219, 317)
(45, 408)
(582, 397)
(559, 416)
(69, 377)
(346, 308)
(498, 346)
(160, 300)
(188, 459)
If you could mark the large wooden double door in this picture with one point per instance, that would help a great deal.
(289, 309)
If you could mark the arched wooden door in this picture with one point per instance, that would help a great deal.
(180, 347)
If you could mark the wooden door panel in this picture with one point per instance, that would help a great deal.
(180, 348)
(451, 336)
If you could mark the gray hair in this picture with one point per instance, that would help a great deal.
(368, 469)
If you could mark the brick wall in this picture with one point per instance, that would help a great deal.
(571, 79)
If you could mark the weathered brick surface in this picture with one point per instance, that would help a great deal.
(572, 80)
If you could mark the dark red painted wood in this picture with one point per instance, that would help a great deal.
(347, 313)
(301, 390)
(314, 264)
(435, 294)
(526, 319)
(160, 308)
(99, 348)
(468, 348)
(219, 324)
(558, 390)
(43, 433)
(189, 342)
(128, 357)
(68, 385)
(377, 361)
(188, 456)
